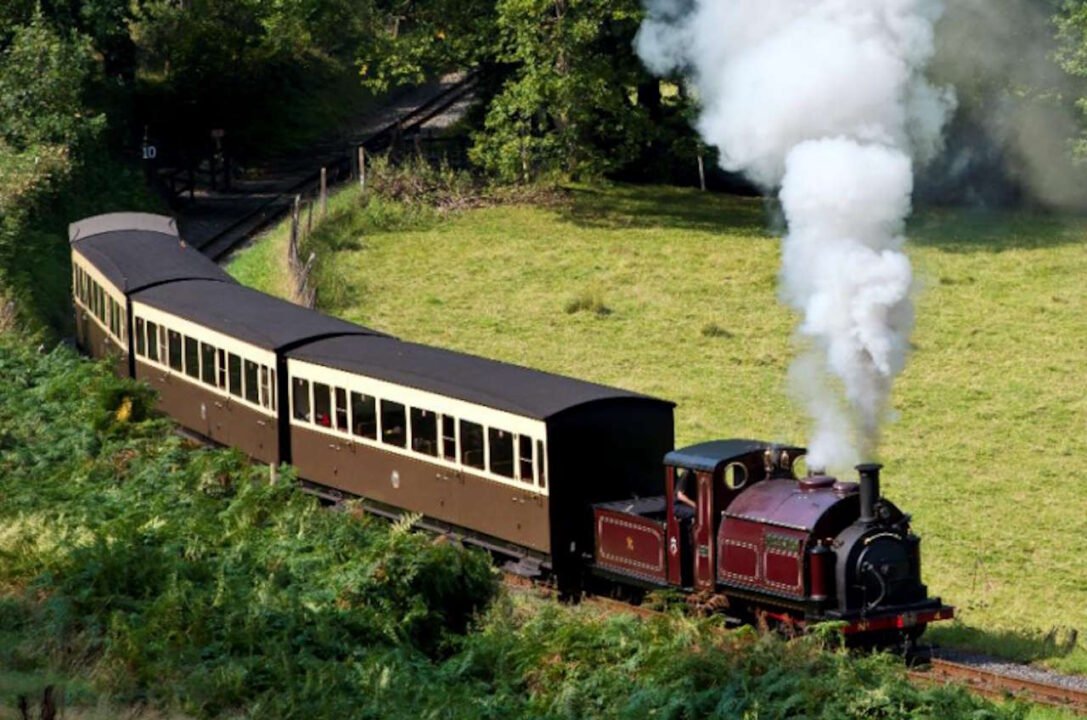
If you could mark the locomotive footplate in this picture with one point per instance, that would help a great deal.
(903, 619)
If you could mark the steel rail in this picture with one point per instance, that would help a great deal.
(999, 685)
(220, 245)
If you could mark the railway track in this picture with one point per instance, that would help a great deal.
(1006, 680)
(339, 170)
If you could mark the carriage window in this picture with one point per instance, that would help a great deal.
(207, 364)
(301, 399)
(272, 389)
(234, 374)
(141, 342)
(524, 447)
(471, 444)
(111, 315)
(265, 388)
(501, 452)
(363, 416)
(322, 405)
(153, 341)
(222, 370)
(424, 431)
(123, 314)
(393, 423)
(341, 409)
(449, 438)
(192, 358)
(252, 390)
(174, 345)
(543, 463)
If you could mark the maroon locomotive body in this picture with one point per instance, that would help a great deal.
(763, 543)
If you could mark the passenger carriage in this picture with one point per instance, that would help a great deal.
(510, 457)
(115, 255)
(214, 352)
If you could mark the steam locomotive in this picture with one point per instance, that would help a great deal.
(561, 479)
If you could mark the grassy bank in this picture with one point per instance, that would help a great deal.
(673, 293)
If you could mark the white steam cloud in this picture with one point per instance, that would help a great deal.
(826, 100)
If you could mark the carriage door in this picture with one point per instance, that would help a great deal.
(703, 534)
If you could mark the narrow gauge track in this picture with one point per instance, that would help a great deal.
(339, 169)
(1009, 681)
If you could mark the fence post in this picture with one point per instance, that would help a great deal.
(324, 193)
(701, 173)
(296, 216)
(362, 167)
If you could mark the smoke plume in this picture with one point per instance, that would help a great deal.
(825, 100)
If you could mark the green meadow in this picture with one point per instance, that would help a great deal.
(673, 293)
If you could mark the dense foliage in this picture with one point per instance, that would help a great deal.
(181, 574)
(174, 574)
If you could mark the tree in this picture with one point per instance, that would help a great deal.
(571, 103)
(42, 78)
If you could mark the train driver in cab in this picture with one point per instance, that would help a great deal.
(684, 504)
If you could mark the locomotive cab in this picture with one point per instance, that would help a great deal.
(662, 540)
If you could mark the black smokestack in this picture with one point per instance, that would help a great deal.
(869, 490)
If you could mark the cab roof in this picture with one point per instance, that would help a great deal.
(707, 456)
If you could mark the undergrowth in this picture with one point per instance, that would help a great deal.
(179, 574)
(159, 572)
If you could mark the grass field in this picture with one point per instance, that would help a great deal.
(673, 293)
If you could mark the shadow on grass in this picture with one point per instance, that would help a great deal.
(1059, 647)
(635, 206)
(962, 230)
